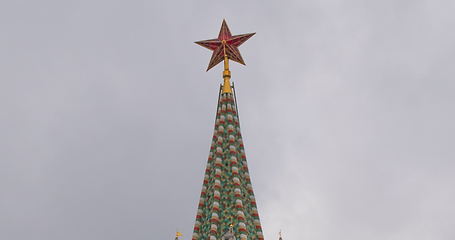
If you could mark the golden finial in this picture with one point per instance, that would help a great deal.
(226, 73)
(178, 234)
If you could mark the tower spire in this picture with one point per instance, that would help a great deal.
(227, 207)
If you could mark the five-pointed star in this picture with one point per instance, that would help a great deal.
(225, 43)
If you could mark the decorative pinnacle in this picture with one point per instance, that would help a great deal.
(225, 47)
(177, 235)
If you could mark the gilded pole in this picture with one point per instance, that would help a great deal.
(226, 72)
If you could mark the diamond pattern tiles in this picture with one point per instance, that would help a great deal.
(227, 196)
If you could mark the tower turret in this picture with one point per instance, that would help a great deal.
(227, 207)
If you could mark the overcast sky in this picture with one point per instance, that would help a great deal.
(346, 107)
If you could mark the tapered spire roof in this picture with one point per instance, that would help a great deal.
(227, 197)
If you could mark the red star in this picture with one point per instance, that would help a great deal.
(225, 42)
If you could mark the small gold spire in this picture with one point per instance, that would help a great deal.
(226, 72)
(178, 234)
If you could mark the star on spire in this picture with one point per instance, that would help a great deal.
(225, 45)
